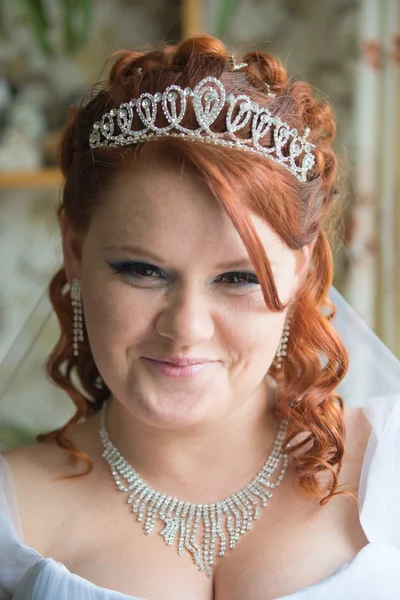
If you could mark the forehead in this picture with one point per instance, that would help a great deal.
(168, 206)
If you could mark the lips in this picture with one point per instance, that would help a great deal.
(181, 361)
(174, 371)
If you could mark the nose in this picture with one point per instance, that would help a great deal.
(186, 318)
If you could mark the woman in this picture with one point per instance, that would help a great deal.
(198, 348)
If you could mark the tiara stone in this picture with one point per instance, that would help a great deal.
(289, 149)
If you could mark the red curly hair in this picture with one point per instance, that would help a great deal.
(241, 182)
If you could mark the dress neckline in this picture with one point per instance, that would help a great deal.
(51, 563)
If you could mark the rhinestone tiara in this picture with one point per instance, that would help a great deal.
(290, 150)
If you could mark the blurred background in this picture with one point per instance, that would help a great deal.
(52, 50)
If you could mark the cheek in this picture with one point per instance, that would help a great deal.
(255, 331)
(286, 278)
(116, 316)
(268, 337)
(252, 336)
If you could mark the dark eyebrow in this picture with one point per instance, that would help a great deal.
(240, 263)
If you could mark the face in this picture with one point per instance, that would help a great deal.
(164, 272)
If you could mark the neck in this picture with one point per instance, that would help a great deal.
(199, 464)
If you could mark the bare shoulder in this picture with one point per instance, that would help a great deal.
(45, 493)
(32, 465)
(358, 430)
(33, 468)
(40, 462)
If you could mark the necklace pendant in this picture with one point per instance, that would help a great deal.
(170, 531)
(204, 531)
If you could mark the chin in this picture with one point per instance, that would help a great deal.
(175, 417)
(170, 403)
(175, 411)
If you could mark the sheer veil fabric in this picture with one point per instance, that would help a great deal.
(374, 371)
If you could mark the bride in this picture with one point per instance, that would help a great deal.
(211, 455)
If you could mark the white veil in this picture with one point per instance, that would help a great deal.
(373, 369)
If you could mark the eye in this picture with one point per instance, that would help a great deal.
(136, 270)
(142, 271)
(241, 278)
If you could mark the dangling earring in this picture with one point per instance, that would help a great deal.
(77, 332)
(282, 348)
(98, 382)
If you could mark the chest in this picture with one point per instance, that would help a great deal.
(293, 544)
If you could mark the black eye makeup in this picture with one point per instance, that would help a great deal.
(140, 271)
(135, 270)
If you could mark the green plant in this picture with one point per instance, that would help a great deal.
(75, 15)
(225, 10)
(76, 20)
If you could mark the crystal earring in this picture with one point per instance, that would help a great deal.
(282, 348)
(98, 382)
(77, 332)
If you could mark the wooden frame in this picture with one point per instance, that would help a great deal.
(191, 16)
(49, 177)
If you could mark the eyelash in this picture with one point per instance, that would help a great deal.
(129, 268)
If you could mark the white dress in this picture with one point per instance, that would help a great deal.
(374, 574)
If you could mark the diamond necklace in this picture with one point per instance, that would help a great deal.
(201, 529)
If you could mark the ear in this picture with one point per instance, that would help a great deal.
(303, 262)
(72, 249)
